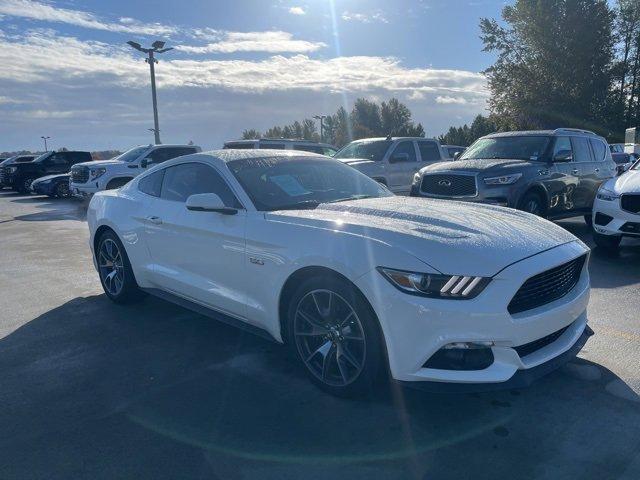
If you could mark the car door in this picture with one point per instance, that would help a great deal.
(403, 164)
(587, 176)
(198, 255)
(429, 153)
(603, 166)
(57, 163)
(561, 179)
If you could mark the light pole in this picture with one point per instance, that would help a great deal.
(45, 142)
(156, 47)
(321, 118)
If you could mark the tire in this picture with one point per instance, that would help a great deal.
(25, 185)
(533, 203)
(120, 287)
(117, 183)
(343, 360)
(62, 190)
(607, 242)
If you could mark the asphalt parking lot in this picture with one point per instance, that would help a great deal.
(93, 390)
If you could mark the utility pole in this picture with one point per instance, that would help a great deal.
(156, 47)
(45, 142)
(321, 118)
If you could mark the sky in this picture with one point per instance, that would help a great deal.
(67, 72)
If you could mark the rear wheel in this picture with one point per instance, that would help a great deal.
(607, 242)
(335, 335)
(532, 202)
(115, 270)
(62, 190)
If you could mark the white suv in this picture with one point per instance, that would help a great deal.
(90, 177)
(392, 161)
(282, 144)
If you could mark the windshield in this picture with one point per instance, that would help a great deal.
(373, 150)
(42, 157)
(131, 155)
(526, 147)
(295, 183)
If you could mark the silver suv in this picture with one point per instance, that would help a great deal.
(551, 173)
(392, 161)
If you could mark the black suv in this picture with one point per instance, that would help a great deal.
(10, 161)
(551, 173)
(20, 175)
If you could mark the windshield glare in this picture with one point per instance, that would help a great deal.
(131, 155)
(527, 147)
(295, 183)
(373, 150)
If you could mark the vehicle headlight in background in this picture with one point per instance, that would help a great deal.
(607, 195)
(97, 172)
(416, 178)
(458, 287)
(503, 180)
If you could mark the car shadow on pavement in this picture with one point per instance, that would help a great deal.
(53, 209)
(96, 390)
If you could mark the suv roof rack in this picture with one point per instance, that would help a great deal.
(574, 130)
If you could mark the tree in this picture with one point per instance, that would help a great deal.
(251, 134)
(466, 135)
(554, 65)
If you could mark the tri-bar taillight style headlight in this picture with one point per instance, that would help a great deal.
(454, 287)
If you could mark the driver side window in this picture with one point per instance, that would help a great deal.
(404, 152)
(182, 181)
(57, 159)
(562, 149)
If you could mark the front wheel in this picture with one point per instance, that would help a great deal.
(607, 242)
(532, 203)
(115, 270)
(335, 335)
(62, 190)
(25, 185)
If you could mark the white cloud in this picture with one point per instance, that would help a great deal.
(44, 12)
(446, 99)
(297, 11)
(376, 16)
(271, 42)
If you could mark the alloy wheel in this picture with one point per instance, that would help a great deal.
(532, 206)
(329, 337)
(111, 266)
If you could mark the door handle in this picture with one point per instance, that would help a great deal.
(574, 171)
(155, 220)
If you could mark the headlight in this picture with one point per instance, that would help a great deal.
(608, 195)
(416, 178)
(97, 172)
(504, 180)
(456, 287)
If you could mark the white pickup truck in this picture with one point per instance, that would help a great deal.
(90, 177)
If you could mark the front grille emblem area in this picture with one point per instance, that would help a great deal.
(444, 183)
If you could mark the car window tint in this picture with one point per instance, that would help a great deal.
(599, 149)
(563, 148)
(152, 184)
(184, 180)
(405, 147)
(240, 145)
(309, 148)
(57, 159)
(163, 154)
(429, 151)
(272, 146)
(581, 151)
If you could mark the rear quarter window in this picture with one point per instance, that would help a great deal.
(152, 184)
(599, 150)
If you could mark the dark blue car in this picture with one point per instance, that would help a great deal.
(52, 185)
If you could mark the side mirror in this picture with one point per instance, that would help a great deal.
(563, 156)
(209, 202)
(399, 157)
(457, 155)
(144, 162)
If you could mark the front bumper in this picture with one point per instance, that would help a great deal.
(415, 328)
(43, 188)
(83, 190)
(501, 195)
(620, 222)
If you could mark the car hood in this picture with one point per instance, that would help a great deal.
(51, 177)
(628, 182)
(100, 163)
(356, 161)
(455, 238)
(481, 165)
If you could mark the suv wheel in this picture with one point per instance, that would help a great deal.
(532, 202)
(115, 270)
(607, 242)
(335, 335)
(62, 190)
(25, 185)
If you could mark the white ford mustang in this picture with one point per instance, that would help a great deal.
(359, 282)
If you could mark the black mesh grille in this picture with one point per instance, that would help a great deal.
(449, 185)
(529, 348)
(3, 174)
(79, 174)
(547, 287)
(630, 203)
(630, 227)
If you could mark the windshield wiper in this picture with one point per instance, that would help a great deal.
(353, 197)
(304, 205)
